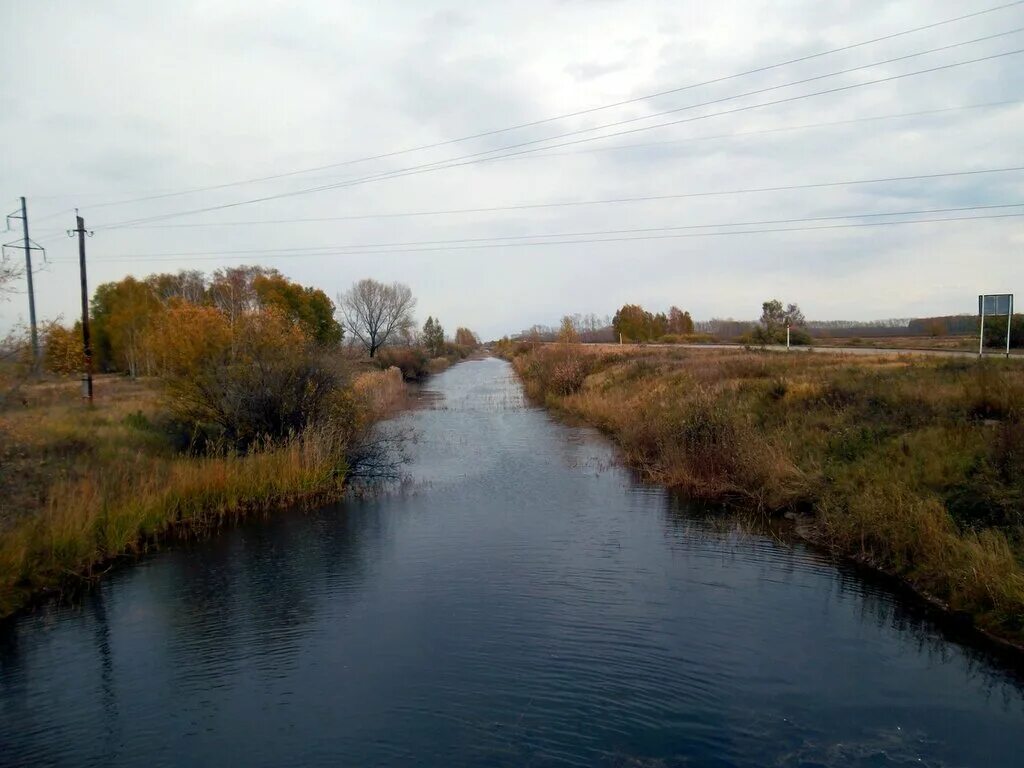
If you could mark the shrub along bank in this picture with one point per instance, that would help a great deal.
(82, 486)
(250, 402)
(247, 413)
(913, 465)
(416, 362)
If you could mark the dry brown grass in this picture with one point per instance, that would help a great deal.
(84, 485)
(915, 465)
(384, 392)
(900, 342)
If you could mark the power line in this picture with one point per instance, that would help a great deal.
(614, 200)
(577, 113)
(492, 209)
(582, 234)
(652, 198)
(779, 129)
(682, 121)
(758, 91)
(475, 158)
(645, 237)
(459, 244)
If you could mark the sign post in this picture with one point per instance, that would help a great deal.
(1009, 322)
(990, 305)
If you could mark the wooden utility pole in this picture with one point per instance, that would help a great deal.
(31, 290)
(86, 341)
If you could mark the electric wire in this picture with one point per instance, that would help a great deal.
(778, 129)
(607, 201)
(756, 92)
(541, 155)
(532, 239)
(475, 158)
(652, 198)
(577, 113)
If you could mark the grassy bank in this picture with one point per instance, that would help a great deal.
(913, 465)
(84, 485)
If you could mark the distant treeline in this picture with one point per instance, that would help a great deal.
(946, 325)
(951, 325)
(867, 330)
(592, 328)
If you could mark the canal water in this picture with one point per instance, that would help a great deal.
(521, 601)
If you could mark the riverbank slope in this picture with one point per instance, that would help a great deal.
(82, 485)
(913, 465)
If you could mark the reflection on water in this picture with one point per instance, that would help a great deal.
(521, 600)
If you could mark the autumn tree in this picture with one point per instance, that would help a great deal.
(238, 290)
(633, 323)
(679, 321)
(376, 314)
(568, 331)
(186, 285)
(775, 319)
(242, 381)
(659, 325)
(630, 322)
(233, 292)
(466, 338)
(772, 316)
(309, 307)
(188, 337)
(794, 316)
(62, 348)
(122, 313)
(433, 337)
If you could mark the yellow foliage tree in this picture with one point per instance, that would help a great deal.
(122, 314)
(466, 338)
(567, 332)
(240, 379)
(63, 349)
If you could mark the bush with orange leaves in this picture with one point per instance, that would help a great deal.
(236, 382)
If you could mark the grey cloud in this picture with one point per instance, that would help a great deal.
(591, 70)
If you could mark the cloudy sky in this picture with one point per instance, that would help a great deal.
(194, 104)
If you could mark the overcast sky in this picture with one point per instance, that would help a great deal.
(104, 102)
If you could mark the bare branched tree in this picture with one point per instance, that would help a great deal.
(10, 271)
(376, 314)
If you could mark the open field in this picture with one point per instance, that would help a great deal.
(913, 464)
(898, 345)
(964, 343)
(82, 485)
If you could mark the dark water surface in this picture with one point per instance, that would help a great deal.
(522, 602)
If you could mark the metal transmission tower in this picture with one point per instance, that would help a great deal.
(28, 246)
